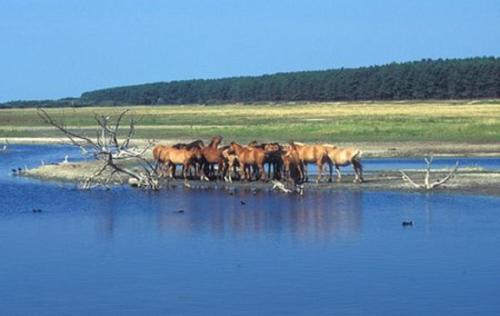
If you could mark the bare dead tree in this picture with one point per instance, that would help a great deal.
(113, 153)
(427, 185)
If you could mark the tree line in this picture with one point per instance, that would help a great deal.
(441, 79)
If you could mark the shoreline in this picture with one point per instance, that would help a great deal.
(465, 181)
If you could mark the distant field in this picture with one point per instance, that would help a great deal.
(325, 122)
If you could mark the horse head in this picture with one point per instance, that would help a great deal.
(216, 140)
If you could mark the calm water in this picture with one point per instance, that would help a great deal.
(125, 252)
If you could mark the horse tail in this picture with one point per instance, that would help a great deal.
(357, 155)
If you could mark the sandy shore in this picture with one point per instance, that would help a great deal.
(466, 181)
(370, 149)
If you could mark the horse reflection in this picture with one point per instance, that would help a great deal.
(318, 216)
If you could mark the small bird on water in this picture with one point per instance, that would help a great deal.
(407, 223)
(242, 203)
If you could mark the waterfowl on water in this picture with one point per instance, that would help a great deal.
(407, 223)
(242, 203)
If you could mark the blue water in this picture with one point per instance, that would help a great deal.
(129, 252)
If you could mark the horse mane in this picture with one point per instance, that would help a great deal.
(297, 143)
(197, 143)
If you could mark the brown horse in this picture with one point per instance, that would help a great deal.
(293, 168)
(160, 166)
(212, 155)
(197, 165)
(311, 154)
(341, 157)
(170, 156)
(273, 158)
(248, 157)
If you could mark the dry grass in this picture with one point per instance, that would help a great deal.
(441, 121)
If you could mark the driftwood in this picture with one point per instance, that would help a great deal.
(427, 185)
(280, 186)
(277, 185)
(107, 148)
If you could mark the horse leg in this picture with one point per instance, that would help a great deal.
(320, 172)
(220, 171)
(300, 167)
(185, 170)
(243, 168)
(339, 175)
(306, 173)
(358, 169)
(330, 170)
(170, 167)
(262, 172)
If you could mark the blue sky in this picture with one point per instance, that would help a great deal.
(54, 49)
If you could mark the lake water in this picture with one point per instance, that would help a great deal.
(130, 252)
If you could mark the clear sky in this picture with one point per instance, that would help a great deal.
(54, 49)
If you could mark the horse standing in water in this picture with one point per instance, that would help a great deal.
(341, 157)
(311, 154)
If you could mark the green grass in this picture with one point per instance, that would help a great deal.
(322, 122)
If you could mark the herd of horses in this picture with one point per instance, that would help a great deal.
(247, 162)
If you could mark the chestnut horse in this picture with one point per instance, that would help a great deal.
(170, 156)
(212, 155)
(293, 169)
(273, 158)
(341, 157)
(197, 143)
(248, 157)
(311, 154)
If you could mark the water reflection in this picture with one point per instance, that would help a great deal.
(318, 216)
